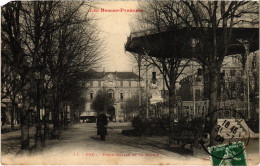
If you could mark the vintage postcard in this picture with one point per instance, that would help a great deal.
(130, 82)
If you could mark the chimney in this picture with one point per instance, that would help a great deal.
(104, 71)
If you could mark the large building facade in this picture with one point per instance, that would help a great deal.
(238, 86)
(119, 86)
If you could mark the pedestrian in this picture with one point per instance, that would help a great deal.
(102, 125)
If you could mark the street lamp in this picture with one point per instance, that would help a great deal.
(199, 77)
(154, 80)
(146, 88)
(20, 101)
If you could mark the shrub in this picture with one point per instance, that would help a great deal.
(151, 126)
(137, 124)
(159, 126)
(197, 123)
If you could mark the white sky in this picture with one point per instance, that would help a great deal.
(114, 27)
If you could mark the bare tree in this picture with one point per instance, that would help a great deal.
(213, 24)
(207, 29)
(53, 39)
(12, 38)
(166, 50)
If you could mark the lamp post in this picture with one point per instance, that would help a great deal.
(193, 43)
(146, 88)
(153, 82)
(20, 101)
(139, 82)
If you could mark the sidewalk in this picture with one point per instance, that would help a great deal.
(81, 145)
(11, 141)
(7, 128)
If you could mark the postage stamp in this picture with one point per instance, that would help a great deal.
(227, 131)
(232, 154)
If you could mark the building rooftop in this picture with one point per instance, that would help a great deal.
(120, 75)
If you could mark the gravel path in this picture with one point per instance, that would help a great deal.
(81, 145)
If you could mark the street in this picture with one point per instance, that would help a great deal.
(80, 145)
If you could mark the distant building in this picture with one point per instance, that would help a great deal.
(233, 82)
(119, 85)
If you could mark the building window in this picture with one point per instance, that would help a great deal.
(133, 84)
(125, 83)
(110, 93)
(233, 86)
(88, 84)
(232, 73)
(95, 83)
(121, 83)
(121, 96)
(91, 96)
(110, 83)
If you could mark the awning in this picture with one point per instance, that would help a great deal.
(88, 113)
(155, 100)
(5, 100)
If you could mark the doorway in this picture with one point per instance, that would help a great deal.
(112, 113)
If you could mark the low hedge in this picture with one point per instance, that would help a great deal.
(160, 126)
(150, 126)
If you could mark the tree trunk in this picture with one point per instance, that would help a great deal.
(78, 116)
(12, 115)
(55, 132)
(172, 108)
(38, 139)
(25, 123)
(46, 126)
(213, 103)
(62, 116)
(66, 116)
(72, 116)
(205, 83)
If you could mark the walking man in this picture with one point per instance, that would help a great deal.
(102, 125)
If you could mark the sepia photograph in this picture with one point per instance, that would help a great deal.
(154, 82)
